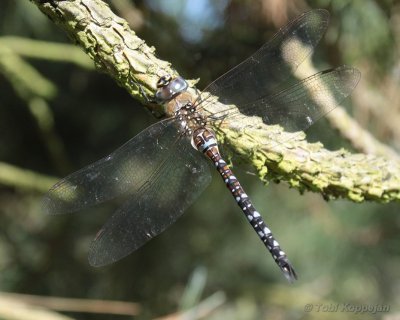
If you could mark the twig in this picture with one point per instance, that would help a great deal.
(46, 50)
(75, 305)
(350, 129)
(13, 309)
(20, 178)
(116, 50)
(35, 90)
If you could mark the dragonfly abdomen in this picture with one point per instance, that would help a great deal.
(206, 142)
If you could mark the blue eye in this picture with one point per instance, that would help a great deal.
(170, 89)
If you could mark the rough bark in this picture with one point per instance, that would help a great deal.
(116, 50)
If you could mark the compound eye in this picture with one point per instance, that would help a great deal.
(179, 85)
(168, 88)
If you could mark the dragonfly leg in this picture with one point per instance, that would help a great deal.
(148, 100)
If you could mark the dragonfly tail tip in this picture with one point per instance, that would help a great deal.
(289, 272)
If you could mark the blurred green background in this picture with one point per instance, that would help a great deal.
(57, 114)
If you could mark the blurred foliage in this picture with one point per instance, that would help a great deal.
(57, 114)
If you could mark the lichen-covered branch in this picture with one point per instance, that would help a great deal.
(108, 40)
(306, 166)
(116, 50)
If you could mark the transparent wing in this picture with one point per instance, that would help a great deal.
(124, 170)
(273, 63)
(301, 104)
(180, 179)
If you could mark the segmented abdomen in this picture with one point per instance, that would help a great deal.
(206, 142)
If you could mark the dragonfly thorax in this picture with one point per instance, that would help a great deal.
(189, 118)
(179, 103)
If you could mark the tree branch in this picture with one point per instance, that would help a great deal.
(349, 128)
(25, 179)
(117, 51)
(29, 302)
(108, 40)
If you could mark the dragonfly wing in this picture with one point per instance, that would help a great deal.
(300, 105)
(124, 170)
(174, 186)
(273, 63)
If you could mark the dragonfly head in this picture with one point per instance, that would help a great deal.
(168, 88)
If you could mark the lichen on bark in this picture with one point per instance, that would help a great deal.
(116, 50)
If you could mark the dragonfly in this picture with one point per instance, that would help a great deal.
(164, 169)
